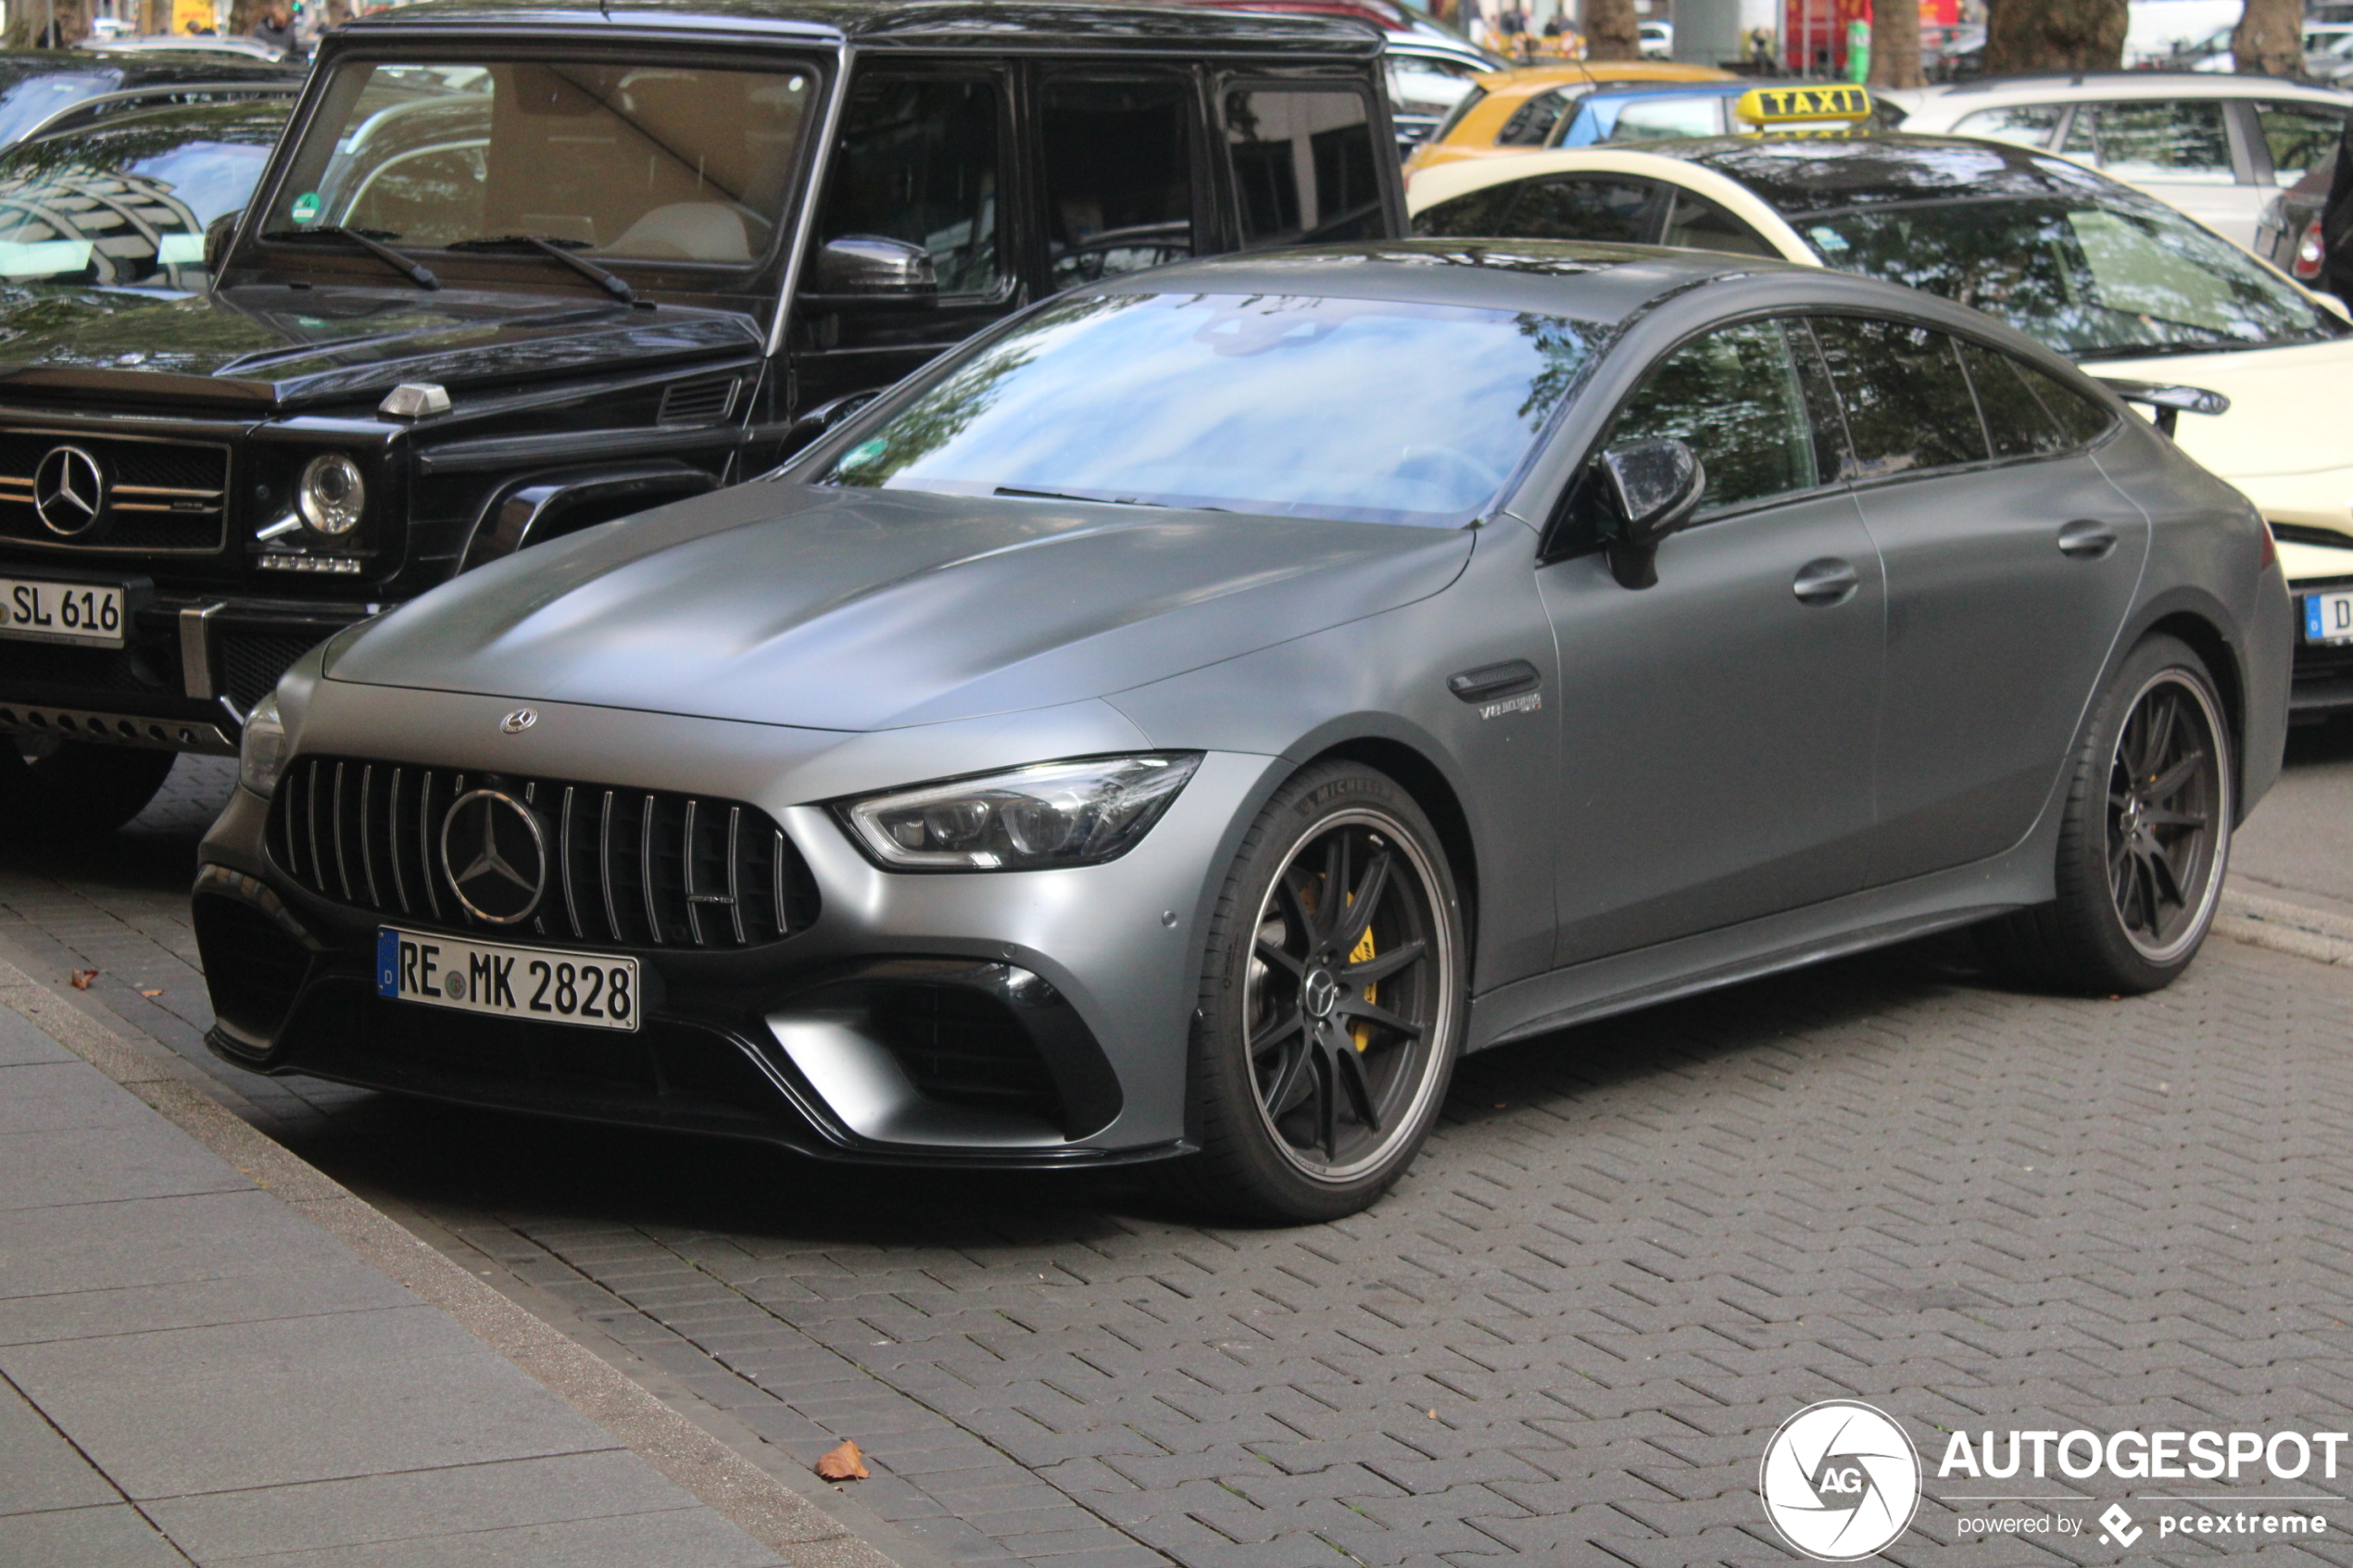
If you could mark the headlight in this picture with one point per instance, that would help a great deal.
(332, 493)
(1051, 814)
(261, 753)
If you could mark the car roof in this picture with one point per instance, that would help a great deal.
(2060, 86)
(133, 67)
(997, 26)
(1797, 174)
(1527, 81)
(1588, 281)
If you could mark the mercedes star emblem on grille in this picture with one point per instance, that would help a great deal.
(495, 856)
(519, 721)
(68, 491)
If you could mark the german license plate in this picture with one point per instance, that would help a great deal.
(88, 613)
(542, 983)
(2328, 618)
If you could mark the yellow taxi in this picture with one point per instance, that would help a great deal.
(1512, 111)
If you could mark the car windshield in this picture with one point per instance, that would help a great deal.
(2092, 277)
(125, 205)
(644, 163)
(1370, 410)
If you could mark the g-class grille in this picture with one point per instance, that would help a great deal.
(154, 494)
(627, 867)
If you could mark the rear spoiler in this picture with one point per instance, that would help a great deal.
(2167, 403)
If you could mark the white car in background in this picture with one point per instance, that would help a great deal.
(2217, 147)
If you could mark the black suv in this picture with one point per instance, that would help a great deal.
(515, 271)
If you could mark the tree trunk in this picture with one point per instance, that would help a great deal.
(1610, 33)
(2269, 40)
(2055, 35)
(1896, 44)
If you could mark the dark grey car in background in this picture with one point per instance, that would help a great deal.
(1177, 724)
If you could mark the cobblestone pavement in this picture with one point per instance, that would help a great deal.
(1628, 1254)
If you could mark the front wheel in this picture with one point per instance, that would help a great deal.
(2145, 839)
(56, 791)
(1332, 1002)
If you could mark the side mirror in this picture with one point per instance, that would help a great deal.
(1656, 485)
(872, 264)
(824, 416)
(217, 235)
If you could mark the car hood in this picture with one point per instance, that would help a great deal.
(860, 610)
(261, 350)
(2288, 406)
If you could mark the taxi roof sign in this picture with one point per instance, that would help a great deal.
(1783, 105)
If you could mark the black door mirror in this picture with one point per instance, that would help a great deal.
(1656, 485)
(217, 235)
(874, 264)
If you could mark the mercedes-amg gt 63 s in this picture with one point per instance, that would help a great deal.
(1177, 724)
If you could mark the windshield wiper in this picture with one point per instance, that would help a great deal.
(415, 271)
(612, 282)
(1100, 500)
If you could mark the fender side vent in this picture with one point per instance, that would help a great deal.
(702, 401)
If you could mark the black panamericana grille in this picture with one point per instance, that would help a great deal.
(160, 494)
(628, 867)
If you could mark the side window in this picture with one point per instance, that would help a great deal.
(2179, 140)
(1119, 160)
(1699, 224)
(1650, 120)
(1478, 214)
(2026, 125)
(1531, 123)
(1907, 402)
(1735, 398)
(2083, 421)
(918, 161)
(1306, 167)
(2015, 421)
(2299, 136)
(1584, 208)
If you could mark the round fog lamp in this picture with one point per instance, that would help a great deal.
(332, 493)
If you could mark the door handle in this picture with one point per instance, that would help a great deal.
(1825, 581)
(2086, 540)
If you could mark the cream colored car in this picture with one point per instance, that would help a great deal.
(2129, 288)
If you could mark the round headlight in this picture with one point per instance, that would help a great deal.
(332, 493)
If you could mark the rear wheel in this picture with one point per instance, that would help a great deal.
(55, 791)
(1332, 1002)
(2146, 840)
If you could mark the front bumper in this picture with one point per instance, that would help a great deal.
(1035, 1019)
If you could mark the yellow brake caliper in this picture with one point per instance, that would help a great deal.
(1363, 1033)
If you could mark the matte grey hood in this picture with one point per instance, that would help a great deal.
(859, 610)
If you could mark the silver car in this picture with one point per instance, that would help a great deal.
(1177, 725)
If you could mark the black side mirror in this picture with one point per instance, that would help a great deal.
(217, 235)
(874, 264)
(1656, 485)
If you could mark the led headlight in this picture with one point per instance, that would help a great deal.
(261, 750)
(331, 494)
(1051, 814)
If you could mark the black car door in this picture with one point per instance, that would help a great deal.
(1717, 728)
(2011, 561)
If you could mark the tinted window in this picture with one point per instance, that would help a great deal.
(1366, 410)
(1531, 123)
(1119, 176)
(1446, 127)
(2172, 139)
(1733, 398)
(1305, 165)
(1481, 212)
(2026, 125)
(1584, 208)
(1907, 403)
(2084, 420)
(1700, 224)
(918, 162)
(2015, 418)
(2299, 136)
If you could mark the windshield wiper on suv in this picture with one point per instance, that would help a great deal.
(612, 282)
(366, 240)
(1101, 500)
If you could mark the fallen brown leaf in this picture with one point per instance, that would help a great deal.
(81, 978)
(843, 1464)
(155, 993)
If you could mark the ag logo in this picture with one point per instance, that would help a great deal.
(1841, 1481)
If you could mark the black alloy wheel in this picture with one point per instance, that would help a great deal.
(1333, 1002)
(2143, 841)
(57, 791)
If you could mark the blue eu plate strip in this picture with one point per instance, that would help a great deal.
(2312, 631)
(387, 962)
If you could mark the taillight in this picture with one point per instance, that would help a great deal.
(2311, 251)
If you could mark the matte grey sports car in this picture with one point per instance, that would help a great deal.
(1177, 724)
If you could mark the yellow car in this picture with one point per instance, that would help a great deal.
(1511, 111)
(2134, 291)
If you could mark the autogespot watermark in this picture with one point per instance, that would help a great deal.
(1841, 1480)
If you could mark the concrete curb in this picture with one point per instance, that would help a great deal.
(776, 1513)
(2285, 928)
